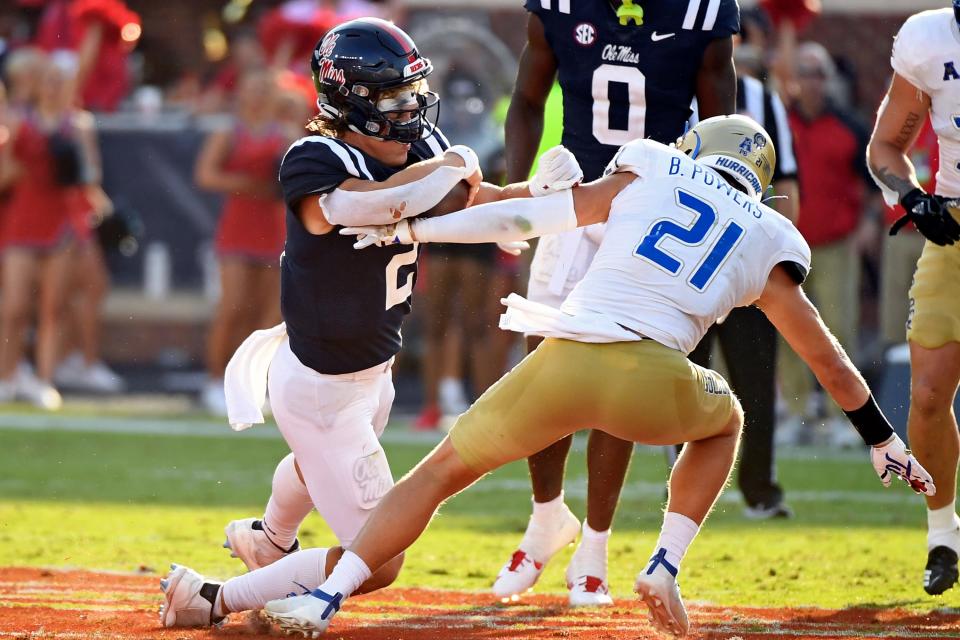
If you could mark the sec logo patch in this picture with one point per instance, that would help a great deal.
(585, 34)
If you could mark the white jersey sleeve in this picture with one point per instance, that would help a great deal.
(791, 248)
(911, 51)
(635, 157)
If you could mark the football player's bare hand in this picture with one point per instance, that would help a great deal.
(894, 459)
(557, 169)
(474, 180)
(514, 248)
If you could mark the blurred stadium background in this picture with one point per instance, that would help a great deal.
(138, 448)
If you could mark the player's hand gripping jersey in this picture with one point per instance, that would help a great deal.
(349, 319)
(624, 82)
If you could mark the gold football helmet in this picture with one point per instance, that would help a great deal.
(735, 145)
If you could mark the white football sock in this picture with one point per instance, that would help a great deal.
(289, 504)
(297, 574)
(541, 540)
(677, 533)
(943, 527)
(347, 576)
(545, 513)
(590, 558)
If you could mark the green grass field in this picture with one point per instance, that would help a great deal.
(74, 497)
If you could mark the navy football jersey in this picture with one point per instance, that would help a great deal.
(621, 82)
(343, 307)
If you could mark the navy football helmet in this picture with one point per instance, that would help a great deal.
(355, 63)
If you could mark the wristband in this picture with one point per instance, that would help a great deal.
(870, 423)
(470, 161)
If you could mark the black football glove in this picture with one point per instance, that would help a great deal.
(931, 217)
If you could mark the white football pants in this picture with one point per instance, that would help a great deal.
(333, 423)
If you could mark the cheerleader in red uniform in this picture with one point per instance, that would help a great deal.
(242, 164)
(44, 165)
(101, 33)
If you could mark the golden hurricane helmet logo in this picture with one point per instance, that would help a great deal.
(736, 145)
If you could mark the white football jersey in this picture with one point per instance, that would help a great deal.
(926, 52)
(682, 248)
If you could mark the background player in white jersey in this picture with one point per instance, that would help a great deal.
(687, 240)
(926, 82)
(377, 157)
(626, 71)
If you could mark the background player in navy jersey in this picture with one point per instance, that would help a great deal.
(622, 79)
(377, 157)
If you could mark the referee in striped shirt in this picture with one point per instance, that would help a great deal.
(747, 339)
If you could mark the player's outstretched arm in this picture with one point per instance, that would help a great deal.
(407, 193)
(506, 220)
(791, 312)
(557, 170)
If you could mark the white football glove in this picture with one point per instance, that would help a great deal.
(514, 248)
(557, 170)
(894, 459)
(398, 233)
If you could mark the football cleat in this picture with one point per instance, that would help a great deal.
(660, 593)
(941, 571)
(524, 568)
(247, 540)
(658, 589)
(588, 591)
(188, 599)
(308, 615)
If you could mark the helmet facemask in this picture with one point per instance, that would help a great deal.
(401, 114)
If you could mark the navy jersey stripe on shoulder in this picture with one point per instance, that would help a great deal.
(361, 163)
(433, 144)
(314, 165)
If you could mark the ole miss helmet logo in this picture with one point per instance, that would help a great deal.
(585, 34)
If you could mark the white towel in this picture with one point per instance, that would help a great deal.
(525, 316)
(245, 380)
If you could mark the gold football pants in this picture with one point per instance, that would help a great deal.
(640, 391)
(934, 316)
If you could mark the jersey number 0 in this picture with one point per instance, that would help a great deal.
(603, 77)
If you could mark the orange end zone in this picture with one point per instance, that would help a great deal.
(78, 604)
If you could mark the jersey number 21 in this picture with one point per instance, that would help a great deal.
(714, 256)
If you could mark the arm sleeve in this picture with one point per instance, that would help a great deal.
(315, 165)
(503, 221)
(386, 206)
